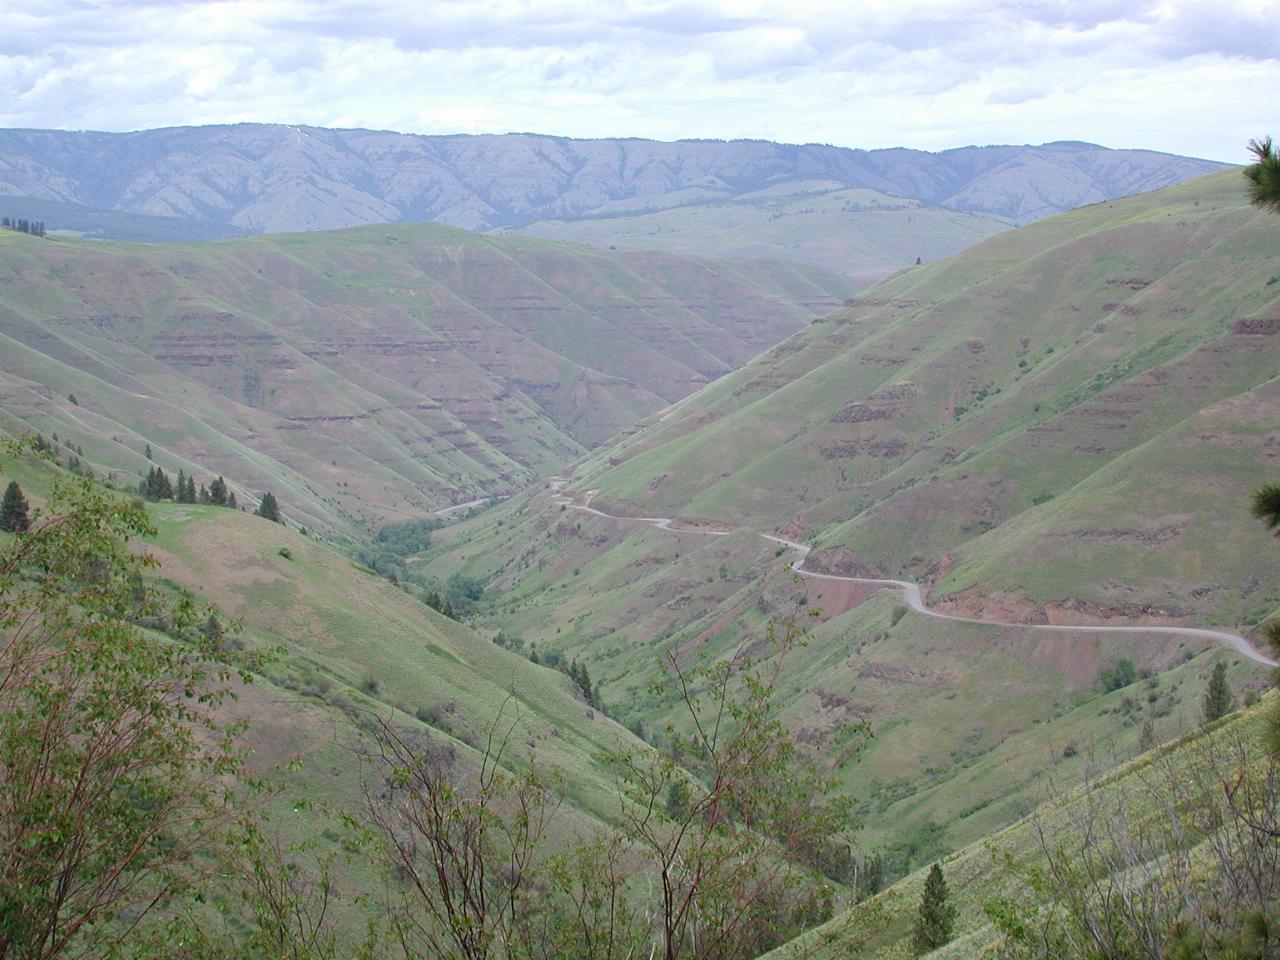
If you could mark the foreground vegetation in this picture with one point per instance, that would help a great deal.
(138, 787)
(714, 846)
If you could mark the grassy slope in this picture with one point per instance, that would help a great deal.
(969, 716)
(855, 231)
(981, 872)
(354, 648)
(1002, 413)
(373, 373)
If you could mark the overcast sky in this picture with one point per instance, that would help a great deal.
(1195, 78)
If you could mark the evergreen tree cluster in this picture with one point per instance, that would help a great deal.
(440, 604)
(577, 672)
(69, 459)
(157, 486)
(23, 225)
(574, 669)
(268, 509)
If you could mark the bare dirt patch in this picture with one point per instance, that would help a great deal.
(834, 597)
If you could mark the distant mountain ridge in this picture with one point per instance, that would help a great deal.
(278, 178)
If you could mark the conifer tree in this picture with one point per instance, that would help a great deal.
(231, 499)
(1264, 175)
(934, 922)
(186, 489)
(1266, 506)
(148, 452)
(268, 509)
(159, 487)
(1218, 701)
(218, 493)
(204, 495)
(14, 516)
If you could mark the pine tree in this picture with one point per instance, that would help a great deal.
(1264, 175)
(268, 509)
(1266, 506)
(185, 491)
(148, 451)
(936, 917)
(158, 485)
(218, 493)
(14, 516)
(231, 499)
(204, 495)
(1218, 700)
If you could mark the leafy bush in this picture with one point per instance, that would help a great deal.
(1118, 675)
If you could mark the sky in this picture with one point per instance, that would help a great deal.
(1194, 78)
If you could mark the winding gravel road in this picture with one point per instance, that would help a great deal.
(912, 594)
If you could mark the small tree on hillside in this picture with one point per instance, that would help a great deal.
(934, 922)
(1218, 701)
(14, 511)
(268, 509)
(159, 487)
(1266, 506)
(218, 492)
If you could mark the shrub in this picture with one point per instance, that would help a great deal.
(1118, 675)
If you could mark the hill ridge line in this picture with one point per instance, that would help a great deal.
(912, 593)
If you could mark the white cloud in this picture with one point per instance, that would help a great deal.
(1176, 76)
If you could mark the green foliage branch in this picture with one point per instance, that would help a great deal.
(1264, 175)
(116, 768)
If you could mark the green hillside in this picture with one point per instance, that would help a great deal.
(370, 374)
(1042, 424)
(350, 650)
(1181, 775)
(1063, 424)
